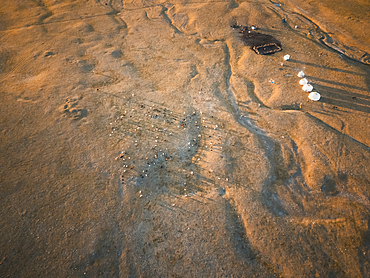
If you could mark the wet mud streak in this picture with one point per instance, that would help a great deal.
(261, 43)
(271, 148)
(48, 13)
(168, 20)
(230, 98)
(237, 230)
(116, 7)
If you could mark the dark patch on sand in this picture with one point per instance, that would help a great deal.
(261, 43)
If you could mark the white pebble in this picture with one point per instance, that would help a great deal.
(307, 88)
(315, 96)
(300, 74)
(287, 57)
(303, 81)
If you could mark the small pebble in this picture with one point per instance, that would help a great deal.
(300, 74)
(287, 57)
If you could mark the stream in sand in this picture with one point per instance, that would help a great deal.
(144, 139)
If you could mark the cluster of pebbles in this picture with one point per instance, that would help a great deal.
(161, 146)
(306, 86)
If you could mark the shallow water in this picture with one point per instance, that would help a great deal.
(144, 139)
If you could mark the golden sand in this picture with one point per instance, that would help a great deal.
(144, 139)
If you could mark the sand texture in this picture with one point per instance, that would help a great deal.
(145, 139)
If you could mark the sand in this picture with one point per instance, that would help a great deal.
(144, 139)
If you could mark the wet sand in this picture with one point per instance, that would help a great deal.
(144, 139)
